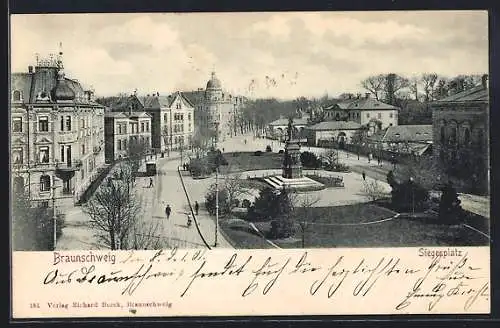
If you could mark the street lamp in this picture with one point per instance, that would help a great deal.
(54, 213)
(216, 184)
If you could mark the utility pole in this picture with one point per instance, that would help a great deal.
(54, 214)
(216, 185)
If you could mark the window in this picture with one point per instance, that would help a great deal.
(62, 153)
(367, 115)
(390, 115)
(68, 123)
(82, 123)
(62, 124)
(189, 116)
(443, 134)
(124, 144)
(17, 155)
(466, 136)
(43, 124)
(16, 95)
(45, 183)
(17, 124)
(178, 106)
(142, 127)
(83, 149)
(44, 154)
(379, 115)
(120, 129)
(119, 145)
(147, 126)
(453, 135)
(165, 117)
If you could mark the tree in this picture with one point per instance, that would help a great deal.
(115, 211)
(305, 204)
(429, 81)
(330, 156)
(359, 138)
(309, 159)
(373, 190)
(232, 188)
(374, 84)
(393, 84)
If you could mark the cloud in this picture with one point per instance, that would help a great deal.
(284, 54)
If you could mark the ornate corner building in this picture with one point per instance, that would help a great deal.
(57, 133)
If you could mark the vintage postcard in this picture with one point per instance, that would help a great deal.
(216, 164)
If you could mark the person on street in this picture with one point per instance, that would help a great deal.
(196, 207)
(364, 175)
(189, 220)
(168, 210)
(150, 183)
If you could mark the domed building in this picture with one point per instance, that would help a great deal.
(57, 133)
(214, 107)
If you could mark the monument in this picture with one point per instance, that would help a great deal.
(292, 176)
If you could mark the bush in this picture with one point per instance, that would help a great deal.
(223, 202)
(408, 196)
(246, 203)
(257, 153)
(270, 204)
(310, 160)
(281, 228)
(268, 149)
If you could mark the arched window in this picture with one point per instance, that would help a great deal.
(466, 136)
(337, 116)
(165, 117)
(443, 134)
(45, 183)
(16, 95)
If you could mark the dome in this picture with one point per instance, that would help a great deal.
(62, 91)
(214, 82)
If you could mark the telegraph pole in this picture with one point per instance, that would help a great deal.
(216, 185)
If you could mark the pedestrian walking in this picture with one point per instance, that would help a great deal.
(168, 210)
(150, 183)
(379, 162)
(364, 175)
(196, 207)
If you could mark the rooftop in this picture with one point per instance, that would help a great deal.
(478, 93)
(407, 133)
(335, 125)
(284, 121)
(361, 104)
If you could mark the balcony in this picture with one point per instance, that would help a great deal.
(68, 167)
(68, 136)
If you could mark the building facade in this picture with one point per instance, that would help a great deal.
(364, 111)
(277, 129)
(460, 126)
(216, 110)
(403, 140)
(57, 133)
(331, 132)
(126, 132)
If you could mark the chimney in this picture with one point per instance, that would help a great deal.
(358, 95)
(30, 69)
(484, 81)
(367, 95)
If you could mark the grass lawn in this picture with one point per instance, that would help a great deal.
(334, 227)
(246, 161)
(242, 235)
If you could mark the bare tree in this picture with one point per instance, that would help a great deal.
(115, 212)
(373, 190)
(429, 82)
(303, 207)
(374, 84)
(414, 87)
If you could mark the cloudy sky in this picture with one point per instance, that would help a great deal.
(254, 54)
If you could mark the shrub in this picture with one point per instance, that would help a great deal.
(268, 149)
(223, 202)
(281, 228)
(257, 153)
(310, 159)
(408, 196)
(246, 203)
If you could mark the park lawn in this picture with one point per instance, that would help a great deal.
(247, 161)
(242, 236)
(331, 228)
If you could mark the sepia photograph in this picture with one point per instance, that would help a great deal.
(249, 130)
(273, 163)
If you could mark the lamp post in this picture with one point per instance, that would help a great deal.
(54, 213)
(216, 185)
